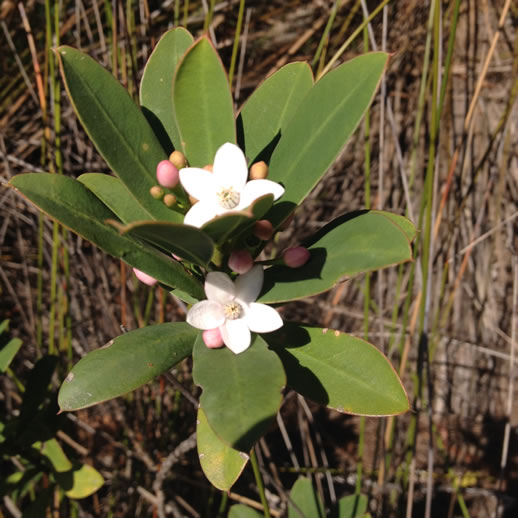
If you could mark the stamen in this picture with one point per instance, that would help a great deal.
(228, 198)
(233, 311)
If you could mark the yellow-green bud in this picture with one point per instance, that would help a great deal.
(170, 200)
(259, 171)
(178, 159)
(157, 192)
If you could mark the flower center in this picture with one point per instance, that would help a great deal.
(228, 198)
(233, 311)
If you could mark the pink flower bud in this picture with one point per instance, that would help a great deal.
(296, 257)
(167, 174)
(144, 277)
(240, 261)
(263, 229)
(212, 338)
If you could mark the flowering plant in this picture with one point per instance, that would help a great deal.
(184, 211)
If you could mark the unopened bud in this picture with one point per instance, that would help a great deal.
(263, 229)
(144, 277)
(170, 200)
(240, 261)
(167, 174)
(296, 257)
(157, 192)
(178, 159)
(287, 222)
(212, 338)
(209, 168)
(259, 171)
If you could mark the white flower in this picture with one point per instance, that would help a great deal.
(231, 307)
(225, 189)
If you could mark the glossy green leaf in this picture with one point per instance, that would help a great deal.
(228, 227)
(8, 347)
(241, 392)
(116, 126)
(323, 123)
(354, 243)
(71, 203)
(268, 110)
(125, 363)
(190, 243)
(156, 86)
(243, 511)
(351, 506)
(221, 464)
(114, 194)
(203, 104)
(402, 222)
(304, 496)
(339, 370)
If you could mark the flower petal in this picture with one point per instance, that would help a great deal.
(249, 285)
(200, 213)
(206, 314)
(236, 335)
(255, 189)
(219, 287)
(261, 318)
(199, 183)
(230, 169)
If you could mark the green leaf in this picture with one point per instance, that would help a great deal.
(241, 392)
(243, 511)
(156, 86)
(268, 110)
(125, 363)
(190, 243)
(203, 104)
(78, 481)
(354, 243)
(306, 499)
(323, 123)
(86, 480)
(339, 370)
(228, 227)
(8, 347)
(116, 126)
(221, 464)
(113, 193)
(71, 203)
(351, 506)
(403, 223)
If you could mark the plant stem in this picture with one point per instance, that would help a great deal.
(259, 482)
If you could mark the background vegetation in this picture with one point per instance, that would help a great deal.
(439, 145)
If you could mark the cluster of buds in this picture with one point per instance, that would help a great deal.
(168, 177)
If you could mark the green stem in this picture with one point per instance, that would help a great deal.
(233, 58)
(352, 37)
(259, 482)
